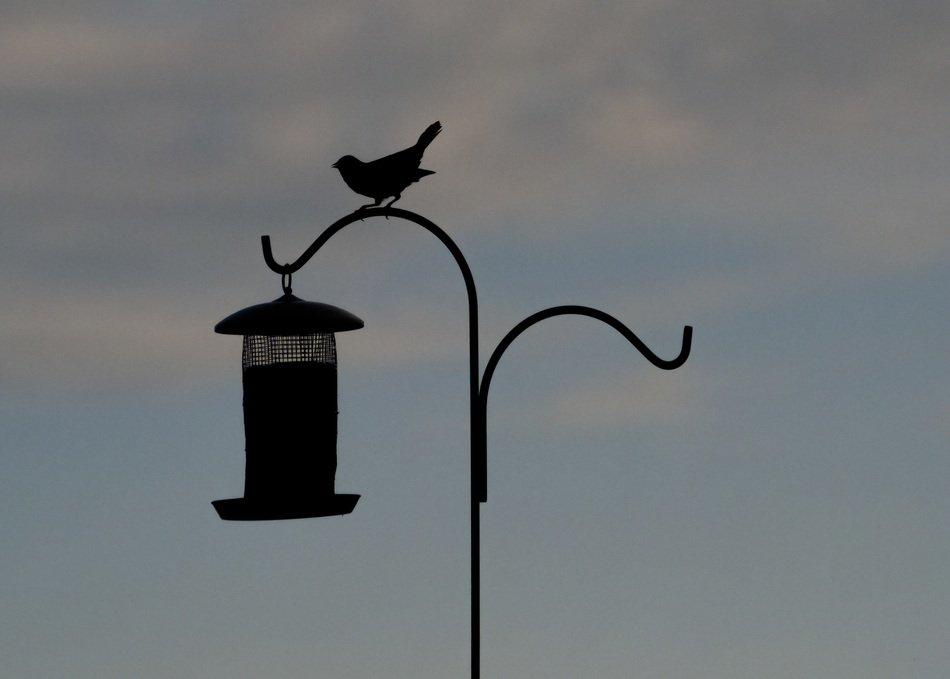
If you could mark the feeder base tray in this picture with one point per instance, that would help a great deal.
(242, 509)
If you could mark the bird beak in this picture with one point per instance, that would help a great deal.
(336, 164)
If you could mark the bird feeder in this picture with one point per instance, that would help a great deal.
(289, 372)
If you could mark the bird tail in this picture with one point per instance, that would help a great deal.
(430, 133)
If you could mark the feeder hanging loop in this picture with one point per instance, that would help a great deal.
(285, 279)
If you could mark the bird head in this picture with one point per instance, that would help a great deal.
(345, 163)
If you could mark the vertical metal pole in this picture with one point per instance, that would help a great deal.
(477, 436)
(476, 592)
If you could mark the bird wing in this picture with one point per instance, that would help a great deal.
(401, 161)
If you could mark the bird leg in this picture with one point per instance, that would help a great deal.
(368, 205)
(389, 204)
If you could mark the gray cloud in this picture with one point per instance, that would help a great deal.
(147, 147)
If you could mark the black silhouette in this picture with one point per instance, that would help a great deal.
(290, 377)
(389, 175)
(289, 368)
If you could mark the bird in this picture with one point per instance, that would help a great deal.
(390, 175)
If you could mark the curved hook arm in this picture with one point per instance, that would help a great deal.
(287, 269)
(360, 215)
(482, 444)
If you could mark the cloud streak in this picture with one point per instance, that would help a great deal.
(812, 133)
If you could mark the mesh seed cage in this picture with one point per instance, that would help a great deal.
(289, 375)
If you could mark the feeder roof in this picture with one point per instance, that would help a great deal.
(288, 315)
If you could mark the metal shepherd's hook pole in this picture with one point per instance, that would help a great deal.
(478, 388)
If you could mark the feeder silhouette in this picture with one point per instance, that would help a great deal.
(289, 370)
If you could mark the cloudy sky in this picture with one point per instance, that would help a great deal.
(774, 174)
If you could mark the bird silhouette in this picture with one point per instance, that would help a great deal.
(389, 175)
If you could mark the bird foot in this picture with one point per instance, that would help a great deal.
(390, 204)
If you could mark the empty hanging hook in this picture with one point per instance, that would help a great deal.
(480, 464)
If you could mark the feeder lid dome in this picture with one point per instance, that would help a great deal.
(288, 315)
